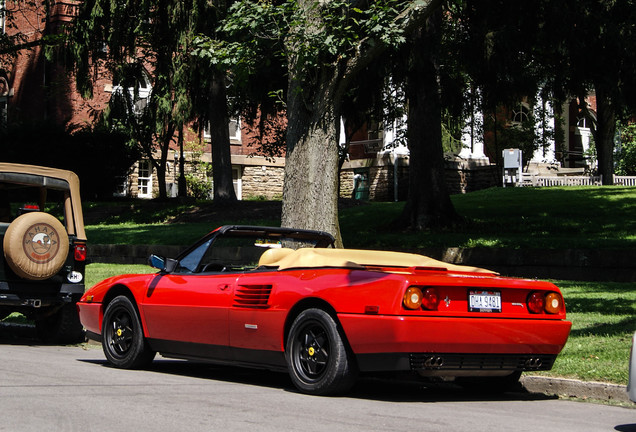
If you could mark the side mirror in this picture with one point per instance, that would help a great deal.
(167, 265)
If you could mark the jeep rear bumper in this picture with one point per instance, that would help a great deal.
(37, 296)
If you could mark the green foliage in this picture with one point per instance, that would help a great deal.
(518, 135)
(603, 321)
(626, 154)
(99, 271)
(142, 43)
(80, 150)
(198, 178)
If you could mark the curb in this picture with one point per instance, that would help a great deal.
(575, 388)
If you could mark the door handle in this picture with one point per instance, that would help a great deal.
(223, 287)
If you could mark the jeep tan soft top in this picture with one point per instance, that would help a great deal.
(50, 178)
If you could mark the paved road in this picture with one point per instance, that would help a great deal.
(72, 389)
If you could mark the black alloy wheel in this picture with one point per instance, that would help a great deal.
(123, 341)
(318, 360)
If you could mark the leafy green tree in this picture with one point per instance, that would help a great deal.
(326, 46)
(626, 154)
(144, 40)
(592, 51)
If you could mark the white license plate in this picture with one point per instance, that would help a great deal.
(484, 301)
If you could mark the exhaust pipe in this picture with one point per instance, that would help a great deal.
(534, 363)
(433, 362)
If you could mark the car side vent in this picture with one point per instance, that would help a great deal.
(252, 296)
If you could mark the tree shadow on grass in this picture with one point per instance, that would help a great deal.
(627, 325)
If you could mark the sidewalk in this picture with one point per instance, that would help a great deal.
(575, 388)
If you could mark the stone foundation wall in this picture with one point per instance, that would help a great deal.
(461, 177)
(262, 181)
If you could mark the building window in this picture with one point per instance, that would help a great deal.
(2, 16)
(122, 187)
(234, 129)
(237, 181)
(138, 95)
(520, 114)
(582, 122)
(361, 184)
(144, 179)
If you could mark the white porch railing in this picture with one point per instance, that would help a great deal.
(546, 181)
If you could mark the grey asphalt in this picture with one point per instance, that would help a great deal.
(58, 388)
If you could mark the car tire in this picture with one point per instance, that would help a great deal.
(123, 338)
(35, 246)
(61, 327)
(318, 360)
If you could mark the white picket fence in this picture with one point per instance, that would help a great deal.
(625, 180)
(546, 181)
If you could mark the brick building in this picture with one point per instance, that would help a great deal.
(32, 87)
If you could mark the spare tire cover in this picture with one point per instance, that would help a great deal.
(35, 246)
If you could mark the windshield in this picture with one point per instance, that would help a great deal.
(240, 249)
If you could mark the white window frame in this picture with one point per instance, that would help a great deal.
(3, 12)
(140, 100)
(234, 127)
(122, 187)
(237, 181)
(144, 182)
(234, 130)
(521, 113)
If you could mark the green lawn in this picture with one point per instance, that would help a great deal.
(603, 316)
(554, 218)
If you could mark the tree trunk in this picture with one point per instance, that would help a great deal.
(160, 166)
(220, 140)
(604, 136)
(428, 204)
(310, 194)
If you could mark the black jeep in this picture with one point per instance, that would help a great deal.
(44, 249)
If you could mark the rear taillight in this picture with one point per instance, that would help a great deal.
(430, 299)
(553, 303)
(425, 298)
(413, 298)
(540, 302)
(80, 252)
(536, 302)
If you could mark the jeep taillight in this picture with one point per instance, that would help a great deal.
(80, 252)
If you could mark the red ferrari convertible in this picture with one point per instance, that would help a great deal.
(279, 298)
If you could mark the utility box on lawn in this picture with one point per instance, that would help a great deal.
(512, 167)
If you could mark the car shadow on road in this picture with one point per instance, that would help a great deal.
(18, 334)
(367, 387)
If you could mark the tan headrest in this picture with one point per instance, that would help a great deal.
(273, 255)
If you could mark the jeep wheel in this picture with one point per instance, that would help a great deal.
(36, 246)
(62, 327)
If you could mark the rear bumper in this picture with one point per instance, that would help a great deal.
(394, 343)
(447, 364)
(39, 295)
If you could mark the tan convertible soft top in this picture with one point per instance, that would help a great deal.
(74, 207)
(354, 258)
